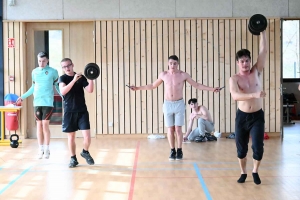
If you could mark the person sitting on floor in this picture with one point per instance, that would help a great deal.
(205, 124)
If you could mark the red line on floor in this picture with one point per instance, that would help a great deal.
(134, 171)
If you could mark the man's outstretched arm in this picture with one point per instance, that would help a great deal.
(263, 50)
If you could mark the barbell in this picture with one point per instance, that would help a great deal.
(92, 71)
(257, 23)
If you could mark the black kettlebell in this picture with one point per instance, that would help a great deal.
(14, 143)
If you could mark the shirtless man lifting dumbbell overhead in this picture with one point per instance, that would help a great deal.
(246, 89)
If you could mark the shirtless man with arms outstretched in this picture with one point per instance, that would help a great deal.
(174, 106)
(246, 88)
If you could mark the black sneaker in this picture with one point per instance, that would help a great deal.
(87, 157)
(199, 138)
(179, 155)
(210, 137)
(73, 163)
(172, 155)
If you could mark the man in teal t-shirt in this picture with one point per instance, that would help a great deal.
(43, 79)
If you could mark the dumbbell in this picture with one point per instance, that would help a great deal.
(257, 23)
(92, 71)
(14, 143)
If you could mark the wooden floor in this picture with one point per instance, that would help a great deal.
(134, 167)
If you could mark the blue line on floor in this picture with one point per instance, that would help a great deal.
(13, 181)
(206, 192)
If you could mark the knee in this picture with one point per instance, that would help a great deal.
(45, 123)
(178, 129)
(87, 137)
(71, 137)
(241, 154)
(258, 153)
(39, 124)
(171, 129)
(201, 121)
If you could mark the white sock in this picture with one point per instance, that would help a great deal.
(41, 147)
(46, 147)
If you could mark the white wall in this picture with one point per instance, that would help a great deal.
(126, 9)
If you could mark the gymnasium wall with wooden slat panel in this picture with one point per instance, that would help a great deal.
(134, 52)
(137, 50)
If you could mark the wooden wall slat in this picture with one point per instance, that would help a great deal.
(244, 31)
(11, 64)
(154, 57)
(17, 66)
(132, 72)
(193, 58)
(160, 68)
(199, 62)
(182, 58)
(221, 75)
(109, 70)
(149, 101)
(22, 65)
(187, 52)
(233, 67)
(6, 35)
(137, 75)
(266, 83)
(104, 77)
(127, 102)
(210, 66)
(115, 78)
(99, 102)
(216, 73)
(122, 88)
(167, 42)
(272, 84)
(228, 66)
(143, 79)
(193, 65)
(205, 61)
(171, 37)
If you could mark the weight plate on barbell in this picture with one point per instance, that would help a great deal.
(258, 23)
(91, 71)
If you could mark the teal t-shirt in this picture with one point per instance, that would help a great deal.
(43, 80)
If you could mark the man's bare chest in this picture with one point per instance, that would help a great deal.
(173, 80)
(249, 83)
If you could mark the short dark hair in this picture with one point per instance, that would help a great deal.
(66, 59)
(43, 54)
(173, 57)
(193, 100)
(241, 53)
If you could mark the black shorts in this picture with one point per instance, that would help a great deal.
(43, 112)
(246, 125)
(74, 121)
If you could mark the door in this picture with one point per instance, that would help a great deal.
(56, 39)
(290, 72)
